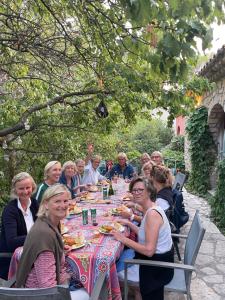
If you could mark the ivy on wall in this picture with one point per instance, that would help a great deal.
(218, 201)
(202, 149)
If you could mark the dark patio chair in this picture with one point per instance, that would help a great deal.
(54, 293)
(179, 182)
(182, 271)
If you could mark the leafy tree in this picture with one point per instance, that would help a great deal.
(59, 59)
(173, 154)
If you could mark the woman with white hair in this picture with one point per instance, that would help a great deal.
(17, 218)
(52, 172)
(67, 177)
(157, 157)
(42, 263)
(144, 158)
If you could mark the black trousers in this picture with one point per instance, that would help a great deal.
(153, 279)
(154, 295)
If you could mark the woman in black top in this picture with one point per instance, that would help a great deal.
(17, 218)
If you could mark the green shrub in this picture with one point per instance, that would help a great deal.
(202, 149)
(218, 201)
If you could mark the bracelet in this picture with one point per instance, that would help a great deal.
(132, 217)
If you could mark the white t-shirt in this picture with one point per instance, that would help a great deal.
(91, 175)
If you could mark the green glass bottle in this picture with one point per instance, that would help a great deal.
(110, 189)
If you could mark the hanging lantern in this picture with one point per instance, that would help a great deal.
(101, 110)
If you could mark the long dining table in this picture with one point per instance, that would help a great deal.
(99, 251)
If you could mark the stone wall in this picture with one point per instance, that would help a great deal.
(215, 103)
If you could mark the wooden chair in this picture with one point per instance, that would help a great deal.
(182, 271)
(54, 293)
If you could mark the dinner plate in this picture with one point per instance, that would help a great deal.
(77, 212)
(78, 246)
(65, 230)
(117, 226)
(101, 230)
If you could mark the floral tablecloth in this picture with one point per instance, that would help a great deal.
(99, 253)
(97, 256)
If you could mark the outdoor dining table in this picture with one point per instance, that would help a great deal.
(99, 252)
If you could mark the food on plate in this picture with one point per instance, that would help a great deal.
(107, 228)
(69, 240)
(77, 210)
(101, 201)
(127, 197)
(96, 234)
(120, 209)
(104, 182)
(87, 197)
(74, 240)
(93, 188)
(118, 226)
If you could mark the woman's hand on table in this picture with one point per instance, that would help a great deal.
(118, 236)
(123, 222)
(125, 214)
(130, 204)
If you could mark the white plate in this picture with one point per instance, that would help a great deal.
(65, 230)
(118, 227)
(75, 247)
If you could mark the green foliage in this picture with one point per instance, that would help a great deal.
(59, 59)
(177, 143)
(202, 149)
(174, 153)
(218, 200)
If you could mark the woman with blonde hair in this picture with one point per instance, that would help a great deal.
(146, 169)
(42, 263)
(144, 158)
(17, 218)
(52, 172)
(69, 170)
(162, 180)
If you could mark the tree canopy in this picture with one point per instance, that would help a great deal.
(61, 58)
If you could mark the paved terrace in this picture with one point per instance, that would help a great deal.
(209, 281)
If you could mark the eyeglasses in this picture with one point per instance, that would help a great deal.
(137, 191)
(155, 156)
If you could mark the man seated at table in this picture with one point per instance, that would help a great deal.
(91, 174)
(122, 168)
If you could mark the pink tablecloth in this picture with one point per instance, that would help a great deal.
(100, 255)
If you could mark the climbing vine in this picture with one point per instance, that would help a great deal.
(218, 201)
(202, 149)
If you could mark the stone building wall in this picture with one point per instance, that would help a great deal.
(214, 101)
